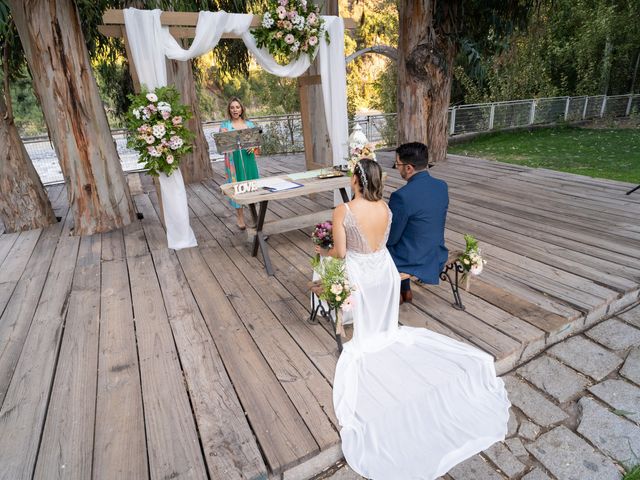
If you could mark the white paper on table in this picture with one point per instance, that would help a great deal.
(278, 184)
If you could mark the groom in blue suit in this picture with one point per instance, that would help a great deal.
(416, 239)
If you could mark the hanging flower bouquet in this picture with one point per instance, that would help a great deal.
(335, 288)
(322, 235)
(471, 259)
(289, 29)
(156, 124)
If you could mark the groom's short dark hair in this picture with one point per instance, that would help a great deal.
(414, 153)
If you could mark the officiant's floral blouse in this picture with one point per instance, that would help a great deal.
(240, 165)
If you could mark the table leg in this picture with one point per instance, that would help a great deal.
(258, 239)
(345, 197)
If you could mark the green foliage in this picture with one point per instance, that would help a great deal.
(371, 79)
(26, 110)
(333, 277)
(157, 131)
(584, 47)
(290, 30)
(632, 473)
(602, 153)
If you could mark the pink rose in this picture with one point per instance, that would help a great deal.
(313, 41)
(287, 25)
(169, 159)
(289, 39)
(176, 120)
(278, 34)
(165, 114)
(282, 12)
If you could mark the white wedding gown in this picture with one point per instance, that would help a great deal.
(411, 403)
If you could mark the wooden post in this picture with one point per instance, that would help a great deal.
(137, 88)
(317, 147)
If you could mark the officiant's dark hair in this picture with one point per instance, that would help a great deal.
(369, 176)
(235, 99)
(414, 153)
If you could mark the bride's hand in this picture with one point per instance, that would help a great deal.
(321, 251)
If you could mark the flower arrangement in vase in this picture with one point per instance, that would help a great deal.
(359, 148)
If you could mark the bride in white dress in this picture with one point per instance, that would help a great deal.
(411, 403)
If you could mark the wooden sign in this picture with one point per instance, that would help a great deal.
(245, 187)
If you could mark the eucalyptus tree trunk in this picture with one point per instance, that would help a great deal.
(195, 166)
(426, 52)
(59, 62)
(24, 204)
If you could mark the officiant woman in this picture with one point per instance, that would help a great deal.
(240, 165)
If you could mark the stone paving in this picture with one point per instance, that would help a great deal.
(575, 412)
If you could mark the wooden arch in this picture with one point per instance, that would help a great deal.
(183, 25)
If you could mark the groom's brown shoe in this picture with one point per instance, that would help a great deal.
(406, 296)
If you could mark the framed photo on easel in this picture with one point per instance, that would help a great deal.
(238, 139)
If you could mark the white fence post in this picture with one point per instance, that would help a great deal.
(629, 105)
(492, 115)
(452, 122)
(584, 110)
(532, 114)
(603, 107)
(566, 109)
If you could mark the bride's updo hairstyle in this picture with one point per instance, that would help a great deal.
(369, 175)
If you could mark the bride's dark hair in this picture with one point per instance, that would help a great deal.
(369, 175)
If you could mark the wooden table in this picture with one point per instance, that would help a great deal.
(262, 197)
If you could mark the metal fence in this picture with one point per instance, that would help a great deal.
(283, 133)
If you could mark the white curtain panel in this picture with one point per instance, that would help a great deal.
(150, 43)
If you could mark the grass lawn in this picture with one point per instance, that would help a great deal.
(596, 152)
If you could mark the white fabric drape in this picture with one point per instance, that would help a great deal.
(150, 43)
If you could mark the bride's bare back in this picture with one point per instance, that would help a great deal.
(361, 226)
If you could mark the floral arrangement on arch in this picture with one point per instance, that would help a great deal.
(290, 28)
(157, 131)
(471, 259)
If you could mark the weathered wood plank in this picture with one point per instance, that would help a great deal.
(282, 434)
(6, 242)
(172, 441)
(25, 405)
(120, 449)
(230, 449)
(66, 447)
(18, 313)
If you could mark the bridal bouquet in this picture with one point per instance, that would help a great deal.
(336, 290)
(157, 131)
(322, 235)
(291, 28)
(471, 259)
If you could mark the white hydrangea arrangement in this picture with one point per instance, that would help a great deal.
(290, 28)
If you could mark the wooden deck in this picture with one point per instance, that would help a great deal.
(122, 359)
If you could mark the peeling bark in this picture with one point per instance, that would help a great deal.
(59, 62)
(24, 204)
(425, 70)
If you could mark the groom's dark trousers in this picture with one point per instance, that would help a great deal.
(416, 239)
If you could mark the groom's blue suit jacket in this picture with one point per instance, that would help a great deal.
(416, 239)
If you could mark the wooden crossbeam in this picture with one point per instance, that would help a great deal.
(181, 24)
